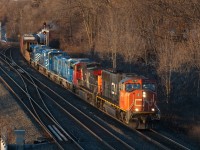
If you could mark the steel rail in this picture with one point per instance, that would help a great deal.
(33, 115)
(56, 122)
(182, 146)
(128, 146)
(32, 81)
(26, 92)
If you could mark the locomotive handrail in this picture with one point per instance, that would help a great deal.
(110, 103)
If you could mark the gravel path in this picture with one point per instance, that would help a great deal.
(13, 117)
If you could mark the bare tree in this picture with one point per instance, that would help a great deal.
(194, 53)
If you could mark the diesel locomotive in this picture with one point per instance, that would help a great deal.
(128, 97)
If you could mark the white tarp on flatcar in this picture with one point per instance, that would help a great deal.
(29, 37)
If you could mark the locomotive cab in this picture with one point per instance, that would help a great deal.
(138, 100)
(137, 95)
(129, 97)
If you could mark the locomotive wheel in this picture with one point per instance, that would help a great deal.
(117, 114)
(74, 89)
(134, 123)
(122, 117)
(98, 103)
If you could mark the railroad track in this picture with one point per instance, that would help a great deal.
(88, 130)
(11, 76)
(80, 122)
(162, 140)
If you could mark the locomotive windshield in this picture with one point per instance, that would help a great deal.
(132, 86)
(149, 86)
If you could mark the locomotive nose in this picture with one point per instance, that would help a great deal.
(148, 101)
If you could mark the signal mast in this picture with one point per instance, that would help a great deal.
(45, 32)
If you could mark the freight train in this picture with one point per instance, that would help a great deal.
(126, 96)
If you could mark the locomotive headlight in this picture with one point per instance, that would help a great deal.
(136, 109)
(144, 94)
(152, 109)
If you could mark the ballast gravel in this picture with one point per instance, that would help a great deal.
(12, 118)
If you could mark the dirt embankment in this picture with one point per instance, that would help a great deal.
(13, 117)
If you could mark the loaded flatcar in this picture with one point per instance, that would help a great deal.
(25, 42)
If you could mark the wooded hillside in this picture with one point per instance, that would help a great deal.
(155, 38)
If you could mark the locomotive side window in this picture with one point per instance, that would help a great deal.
(132, 86)
(71, 64)
(149, 86)
(78, 68)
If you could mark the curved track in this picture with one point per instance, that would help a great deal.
(12, 76)
(82, 125)
(69, 120)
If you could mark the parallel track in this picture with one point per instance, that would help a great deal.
(109, 140)
(161, 140)
(24, 95)
(83, 127)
